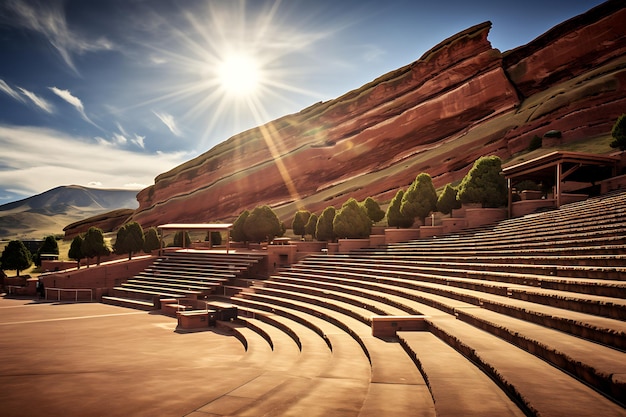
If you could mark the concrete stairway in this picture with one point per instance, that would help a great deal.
(180, 274)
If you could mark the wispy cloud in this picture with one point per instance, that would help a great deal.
(5, 88)
(31, 168)
(373, 53)
(74, 101)
(168, 120)
(38, 101)
(122, 138)
(48, 19)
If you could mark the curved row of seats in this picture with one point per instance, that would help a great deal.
(526, 317)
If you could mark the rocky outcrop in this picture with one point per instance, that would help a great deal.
(107, 222)
(459, 101)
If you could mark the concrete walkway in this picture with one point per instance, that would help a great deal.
(100, 360)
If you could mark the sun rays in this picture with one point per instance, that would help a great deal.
(231, 65)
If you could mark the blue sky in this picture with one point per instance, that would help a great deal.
(111, 93)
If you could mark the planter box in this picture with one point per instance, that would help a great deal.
(480, 216)
(430, 231)
(453, 224)
(377, 240)
(310, 246)
(333, 247)
(401, 235)
(347, 245)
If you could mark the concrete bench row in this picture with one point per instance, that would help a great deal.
(284, 300)
(468, 272)
(597, 328)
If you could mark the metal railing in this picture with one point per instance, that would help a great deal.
(60, 291)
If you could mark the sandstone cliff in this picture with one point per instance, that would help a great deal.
(459, 101)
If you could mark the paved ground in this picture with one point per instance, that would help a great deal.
(98, 360)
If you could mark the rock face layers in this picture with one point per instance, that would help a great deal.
(461, 100)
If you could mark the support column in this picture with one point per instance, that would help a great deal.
(508, 184)
(558, 185)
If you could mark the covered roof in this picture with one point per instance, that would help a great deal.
(579, 166)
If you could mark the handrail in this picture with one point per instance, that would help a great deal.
(75, 290)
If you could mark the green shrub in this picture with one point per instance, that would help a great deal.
(351, 221)
(238, 233)
(373, 210)
(535, 143)
(484, 183)
(394, 217)
(299, 222)
(420, 198)
(324, 228)
(152, 240)
(619, 133)
(262, 225)
(311, 225)
(447, 201)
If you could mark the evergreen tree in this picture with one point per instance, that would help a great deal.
(237, 233)
(262, 225)
(311, 225)
(49, 246)
(299, 222)
(447, 201)
(94, 244)
(324, 229)
(484, 184)
(214, 237)
(394, 217)
(352, 221)
(420, 198)
(152, 241)
(16, 256)
(130, 239)
(178, 239)
(619, 133)
(373, 210)
(76, 252)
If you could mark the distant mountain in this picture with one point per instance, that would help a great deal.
(49, 212)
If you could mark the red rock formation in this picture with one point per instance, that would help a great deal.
(108, 222)
(459, 101)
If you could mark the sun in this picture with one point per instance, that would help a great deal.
(239, 75)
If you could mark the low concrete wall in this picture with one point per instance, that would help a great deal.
(453, 224)
(480, 216)
(106, 275)
(347, 245)
(430, 231)
(401, 235)
(377, 240)
(313, 246)
(49, 266)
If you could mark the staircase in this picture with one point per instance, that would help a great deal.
(180, 274)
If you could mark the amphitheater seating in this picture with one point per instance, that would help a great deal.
(524, 317)
(180, 274)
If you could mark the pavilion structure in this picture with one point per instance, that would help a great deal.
(187, 227)
(555, 169)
